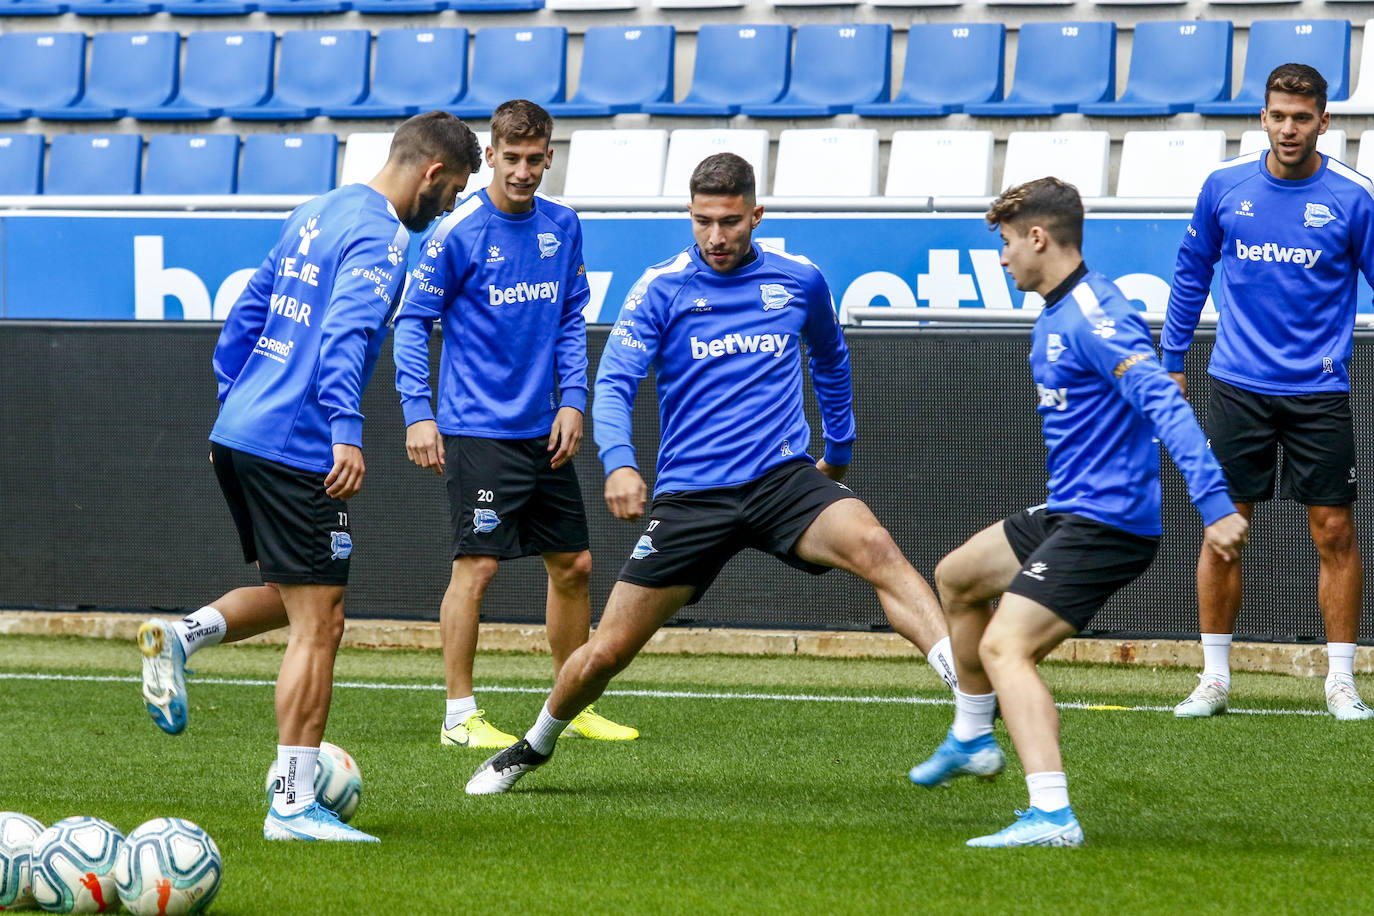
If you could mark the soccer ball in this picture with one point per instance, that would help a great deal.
(168, 867)
(73, 866)
(338, 783)
(17, 833)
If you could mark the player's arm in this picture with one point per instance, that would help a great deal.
(831, 378)
(570, 357)
(1193, 269)
(243, 325)
(431, 287)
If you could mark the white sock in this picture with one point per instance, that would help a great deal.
(972, 714)
(295, 790)
(942, 660)
(456, 712)
(543, 734)
(202, 628)
(1048, 791)
(1216, 656)
(1340, 659)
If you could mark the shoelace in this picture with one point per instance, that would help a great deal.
(1347, 691)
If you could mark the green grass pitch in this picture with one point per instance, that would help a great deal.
(726, 804)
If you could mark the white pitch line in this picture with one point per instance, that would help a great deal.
(652, 694)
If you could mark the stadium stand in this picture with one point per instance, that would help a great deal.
(128, 70)
(622, 70)
(209, 7)
(220, 70)
(1168, 163)
(415, 70)
(735, 65)
(303, 7)
(1174, 66)
(191, 164)
(834, 68)
(88, 164)
(40, 70)
(1076, 156)
(21, 163)
(821, 162)
(616, 163)
(1361, 100)
(293, 164)
(947, 67)
(315, 70)
(1059, 66)
(31, 8)
(399, 6)
(1322, 43)
(540, 77)
(688, 146)
(1332, 143)
(945, 163)
(113, 7)
(495, 6)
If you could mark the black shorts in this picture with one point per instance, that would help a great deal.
(505, 501)
(1316, 432)
(1072, 564)
(296, 532)
(692, 535)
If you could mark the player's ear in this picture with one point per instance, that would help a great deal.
(1323, 122)
(432, 171)
(757, 217)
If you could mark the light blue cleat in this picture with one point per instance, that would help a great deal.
(164, 675)
(316, 822)
(1036, 828)
(980, 757)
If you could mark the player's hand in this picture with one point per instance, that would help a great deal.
(346, 477)
(566, 436)
(833, 471)
(1226, 536)
(425, 446)
(626, 493)
(1181, 380)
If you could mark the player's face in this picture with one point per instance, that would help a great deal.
(517, 168)
(437, 197)
(1020, 256)
(1293, 125)
(723, 227)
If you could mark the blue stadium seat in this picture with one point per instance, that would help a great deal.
(623, 69)
(415, 70)
(735, 65)
(1059, 66)
(495, 6)
(191, 164)
(221, 70)
(1174, 66)
(316, 69)
(87, 164)
(294, 164)
(113, 7)
(40, 70)
(542, 53)
(399, 6)
(947, 67)
(834, 68)
(1321, 43)
(209, 7)
(31, 8)
(21, 163)
(304, 7)
(128, 70)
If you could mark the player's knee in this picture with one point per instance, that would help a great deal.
(571, 571)
(473, 574)
(993, 650)
(952, 580)
(876, 548)
(1334, 535)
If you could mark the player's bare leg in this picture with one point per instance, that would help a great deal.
(1340, 585)
(459, 612)
(1220, 588)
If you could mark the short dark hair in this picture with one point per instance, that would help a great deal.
(725, 174)
(1297, 79)
(436, 136)
(520, 119)
(1046, 202)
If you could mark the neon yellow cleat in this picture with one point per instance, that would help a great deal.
(588, 724)
(475, 731)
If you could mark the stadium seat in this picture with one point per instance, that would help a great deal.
(31, 8)
(1174, 66)
(616, 163)
(623, 69)
(294, 164)
(1168, 163)
(415, 70)
(209, 7)
(592, 5)
(128, 70)
(21, 163)
(113, 7)
(835, 67)
(400, 6)
(1361, 100)
(686, 149)
(1140, 2)
(315, 70)
(495, 6)
(364, 155)
(916, 3)
(303, 7)
(541, 77)
(40, 70)
(191, 164)
(735, 65)
(1076, 156)
(1322, 43)
(947, 67)
(1332, 143)
(87, 164)
(827, 162)
(1059, 66)
(939, 163)
(697, 4)
(1364, 161)
(221, 70)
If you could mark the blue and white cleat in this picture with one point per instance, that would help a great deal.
(314, 823)
(1036, 828)
(164, 675)
(980, 757)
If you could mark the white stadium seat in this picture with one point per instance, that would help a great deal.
(591, 5)
(1361, 100)
(687, 147)
(616, 163)
(364, 154)
(1168, 163)
(697, 4)
(1076, 156)
(1331, 143)
(939, 163)
(827, 162)
(1364, 160)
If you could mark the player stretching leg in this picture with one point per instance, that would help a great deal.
(721, 323)
(295, 354)
(1103, 400)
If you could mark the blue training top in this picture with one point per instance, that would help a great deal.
(726, 352)
(300, 344)
(1289, 253)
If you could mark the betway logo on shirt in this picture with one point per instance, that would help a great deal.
(523, 292)
(1272, 251)
(731, 344)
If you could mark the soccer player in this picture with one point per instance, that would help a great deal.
(1291, 228)
(1104, 398)
(721, 323)
(503, 275)
(294, 356)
